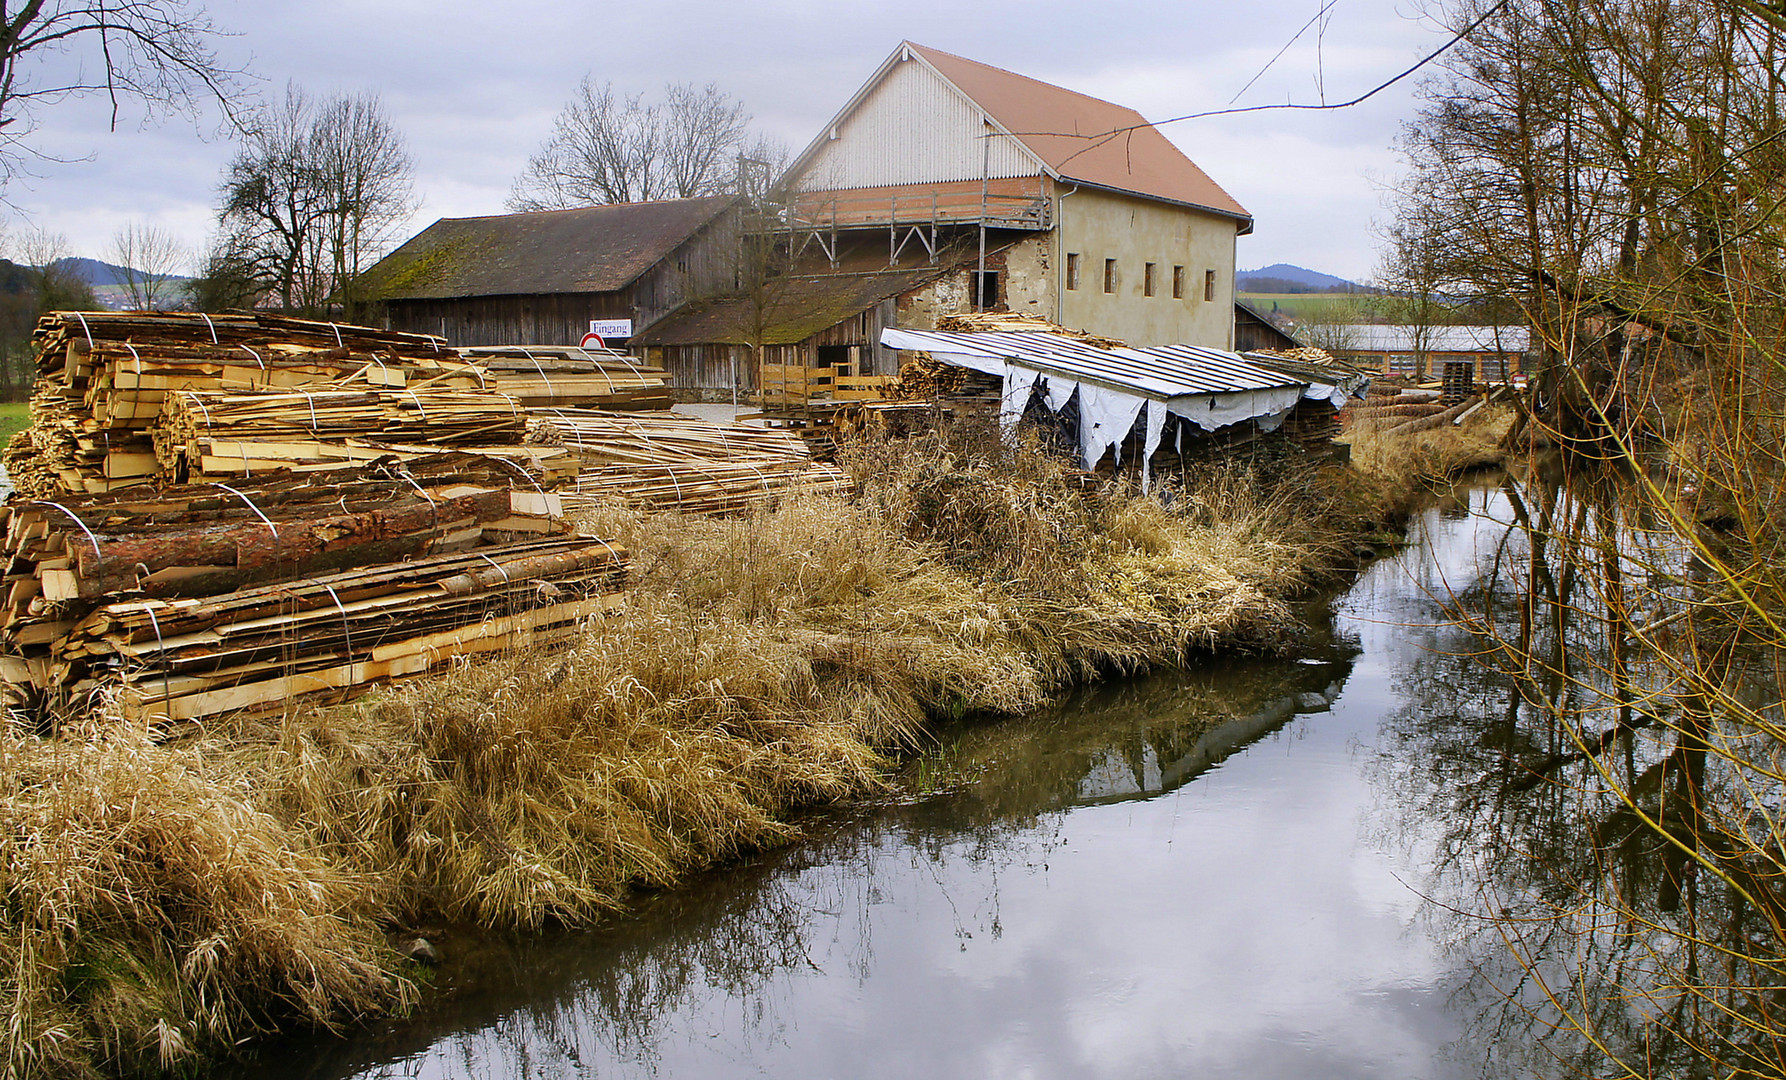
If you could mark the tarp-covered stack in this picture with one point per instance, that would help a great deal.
(668, 462)
(384, 551)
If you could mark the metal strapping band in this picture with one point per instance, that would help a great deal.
(257, 359)
(576, 432)
(91, 539)
(499, 568)
(313, 421)
(167, 689)
(201, 408)
(264, 519)
(527, 475)
(247, 469)
(433, 507)
(87, 328)
(536, 366)
(338, 342)
(210, 324)
(346, 630)
(418, 405)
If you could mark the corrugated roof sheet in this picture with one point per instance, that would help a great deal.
(587, 249)
(1159, 371)
(1372, 337)
(795, 309)
(1070, 132)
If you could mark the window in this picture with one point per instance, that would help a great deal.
(987, 280)
(1072, 270)
(1109, 275)
(1147, 280)
(1178, 283)
(1209, 284)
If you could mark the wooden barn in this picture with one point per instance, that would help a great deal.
(543, 278)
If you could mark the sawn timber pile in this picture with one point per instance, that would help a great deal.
(106, 380)
(104, 377)
(668, 462)
(381, 539)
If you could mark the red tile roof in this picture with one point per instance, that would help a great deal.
(1082, 138)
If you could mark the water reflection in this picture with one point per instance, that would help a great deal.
(1217, 873)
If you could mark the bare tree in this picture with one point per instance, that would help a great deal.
(155, 53)
(314, 194)
(149, 256)
(607, 148)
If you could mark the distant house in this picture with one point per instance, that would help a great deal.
(1040, 199)
(543, 278)
(1494, 353)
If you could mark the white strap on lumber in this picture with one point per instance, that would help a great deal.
(167, 689)
(251, 352)
(274, 529)
(338, 342)
(210, 324)
(87, 328)
(536, 366)
(94, 540)
(497, 565)
(346, 630)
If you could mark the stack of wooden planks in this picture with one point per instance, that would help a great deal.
(223, 434)
(239, 549)
(561, 376)
(714, 487)
(678, 463)
(104, 378)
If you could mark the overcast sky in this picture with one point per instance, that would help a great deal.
(474, 87)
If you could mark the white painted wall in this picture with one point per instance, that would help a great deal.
(913, 128)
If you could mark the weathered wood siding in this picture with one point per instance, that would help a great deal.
(559, 319)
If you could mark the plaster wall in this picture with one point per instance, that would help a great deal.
(1098, 225)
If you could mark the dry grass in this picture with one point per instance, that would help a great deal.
(162, 901)
(1435, 455)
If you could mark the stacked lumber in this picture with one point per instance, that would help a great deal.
(183, 659)
(104, 378)
(669, 462)
(1011, 322)
(67, 560)
(217, 435)
(560, 376)
(602, 438)
(713, 487)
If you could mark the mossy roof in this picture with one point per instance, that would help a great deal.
(587, 249)
(792, 309)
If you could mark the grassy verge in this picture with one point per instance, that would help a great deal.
(1435, 454)
(15, 416)
(163, 901)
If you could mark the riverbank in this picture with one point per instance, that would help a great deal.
(167, 900)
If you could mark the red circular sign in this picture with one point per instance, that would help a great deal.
(592, 339)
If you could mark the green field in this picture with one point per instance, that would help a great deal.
(1310, 307)
(14, 417)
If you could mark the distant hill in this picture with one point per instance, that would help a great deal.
(94, 272)
(1284, 278)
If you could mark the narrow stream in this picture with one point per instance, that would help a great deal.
(1216, 873)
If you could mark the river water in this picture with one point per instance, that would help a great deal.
(1243, 870)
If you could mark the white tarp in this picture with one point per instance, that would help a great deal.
(1107, 414)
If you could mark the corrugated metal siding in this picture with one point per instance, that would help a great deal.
(913, 129)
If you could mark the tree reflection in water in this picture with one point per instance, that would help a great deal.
(1603, 752)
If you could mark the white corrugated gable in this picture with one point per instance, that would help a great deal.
(913, 128)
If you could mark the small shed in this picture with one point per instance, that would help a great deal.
(1252, 330)
(831, 321)
(1492, 354)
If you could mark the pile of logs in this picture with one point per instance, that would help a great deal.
(165, 661)
(714, 487)
(243, 548)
